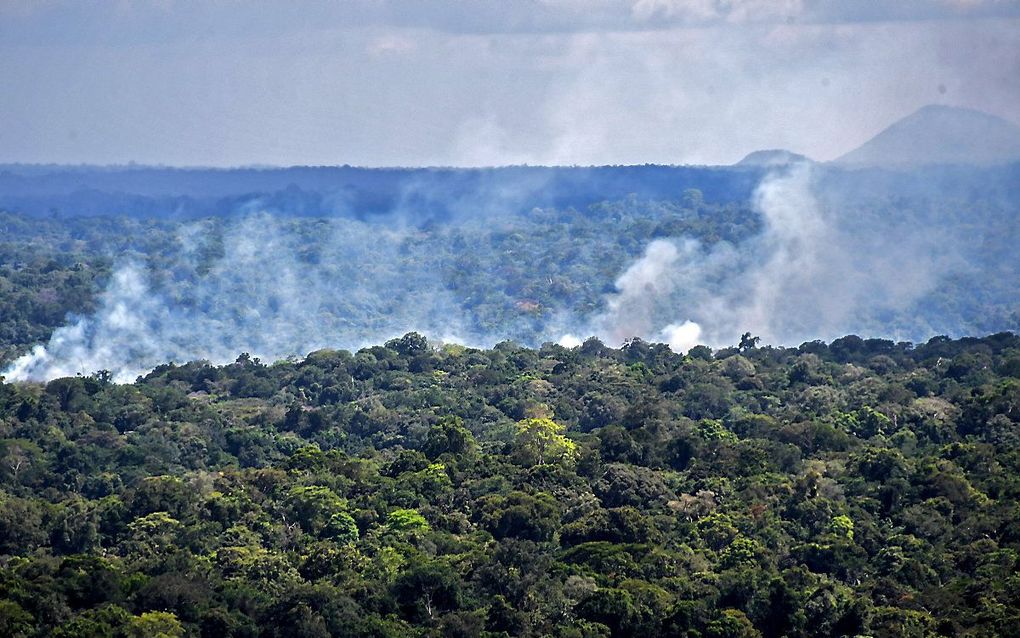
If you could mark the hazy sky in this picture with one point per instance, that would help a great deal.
(425, 82)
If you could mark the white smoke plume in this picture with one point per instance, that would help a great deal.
(812, 274)
(279, 288)
(261, 293)
(641, 286)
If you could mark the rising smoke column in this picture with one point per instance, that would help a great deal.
(822, 271)
(122, 330)
(813, 273)
(247, 299)
(272, 288)
(786, 292)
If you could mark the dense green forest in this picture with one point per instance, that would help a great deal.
(859, 488)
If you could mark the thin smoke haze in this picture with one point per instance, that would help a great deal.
(811, 274)
(260, 293)
(276, 289)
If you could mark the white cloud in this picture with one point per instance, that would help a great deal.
(700, 11)
(569, 82)
(681, 337)
(391, 43)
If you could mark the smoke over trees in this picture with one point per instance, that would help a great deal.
(814, 254)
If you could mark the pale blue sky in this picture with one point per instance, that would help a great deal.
(383, 82)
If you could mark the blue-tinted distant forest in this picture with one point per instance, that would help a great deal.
(283, 261)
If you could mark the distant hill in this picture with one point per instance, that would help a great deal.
(938, 134)
(772, 157)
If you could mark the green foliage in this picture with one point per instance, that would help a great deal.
(882, 502)
(449, 436)
(541, 440)
(405, 520)
(521, 515)
(342, 528)
(842, 526)
(14, 620)
(154, 624)
(315, 506)
(731, 623)
(865, 422)
(714, 430)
